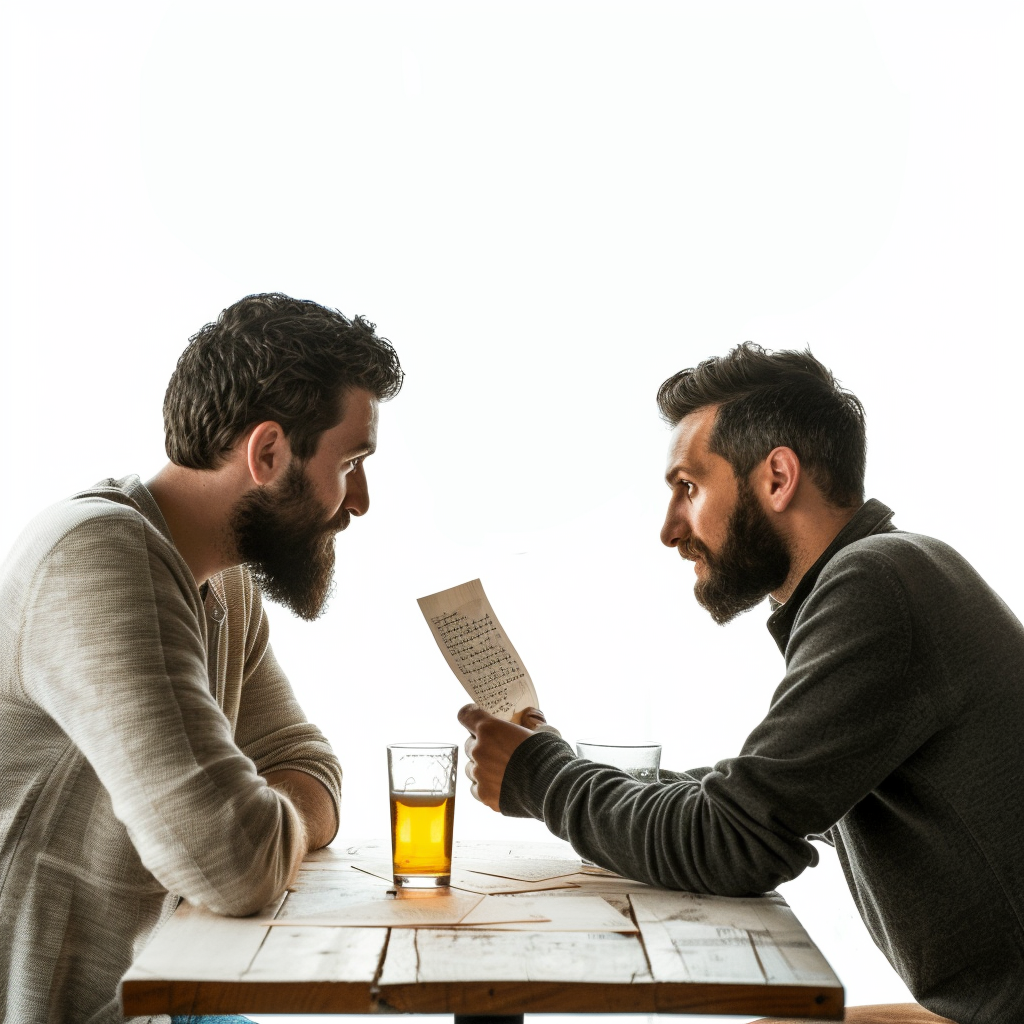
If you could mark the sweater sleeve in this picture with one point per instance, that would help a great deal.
(845, 715)
(112, 648)
(272, 728)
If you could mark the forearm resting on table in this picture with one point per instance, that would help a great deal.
(312, 800)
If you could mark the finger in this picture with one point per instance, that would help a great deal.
(472, 716)
(470, 773)
(469, 745)
(532, 717)
(473, 791)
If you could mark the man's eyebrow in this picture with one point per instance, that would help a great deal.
(365, 448)
(675, 469)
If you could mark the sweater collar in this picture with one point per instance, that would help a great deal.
(212, 591)
(871, 517)
(130, 490)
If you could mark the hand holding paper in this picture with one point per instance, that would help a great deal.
(477, 650)
(489, 748)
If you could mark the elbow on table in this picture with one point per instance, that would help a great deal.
(736, 870)
(243, 889)
(754, 877)
(249, 867)
(245, 904)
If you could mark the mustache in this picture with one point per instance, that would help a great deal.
(340, 521)
(693, 549)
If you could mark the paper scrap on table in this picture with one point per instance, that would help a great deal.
(605, 884)
(523, 870)
(471, 881)
(439, 911)
(477, 650)
(426, 909)
(557, 914)
(494, 912)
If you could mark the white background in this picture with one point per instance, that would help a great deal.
(548, 208)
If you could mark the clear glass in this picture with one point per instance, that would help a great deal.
(421, 779)
(641, 760)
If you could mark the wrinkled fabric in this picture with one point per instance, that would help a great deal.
(136, 715)
(895, 732)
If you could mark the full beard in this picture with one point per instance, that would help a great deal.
(753, 562)
(287, 544)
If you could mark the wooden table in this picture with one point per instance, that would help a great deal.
(753, 957)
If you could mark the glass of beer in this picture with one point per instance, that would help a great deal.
(422, 777)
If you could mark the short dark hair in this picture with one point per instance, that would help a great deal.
(770, 399)
(271, 357)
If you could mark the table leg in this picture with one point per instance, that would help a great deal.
(483, 1018)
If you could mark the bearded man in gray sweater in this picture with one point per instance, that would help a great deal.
(895, 733)
(151, 748)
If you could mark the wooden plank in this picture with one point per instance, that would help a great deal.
(196, 944)
(690, 951)
(234, 997)
(343, 955)
(745, 955)
(453, 971)
(316, 970)
(192, 947)
(715, 938)
(791, 958)
(201, 963)
(707, 955)
(760, 1000)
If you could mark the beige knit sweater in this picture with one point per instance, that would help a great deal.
(135, 718)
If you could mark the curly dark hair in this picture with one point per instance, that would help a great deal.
(772, 399)
(271, 357)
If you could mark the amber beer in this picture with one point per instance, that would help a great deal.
(422, 780)
(421, 832)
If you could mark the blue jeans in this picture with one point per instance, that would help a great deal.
(218, 1019)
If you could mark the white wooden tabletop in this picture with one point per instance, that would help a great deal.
(692, 954)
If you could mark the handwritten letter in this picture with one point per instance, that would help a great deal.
(477, 650)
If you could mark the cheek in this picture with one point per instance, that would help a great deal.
(331, 492)
(706, 523)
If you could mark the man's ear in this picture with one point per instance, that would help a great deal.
(779, 478)
(268, 452)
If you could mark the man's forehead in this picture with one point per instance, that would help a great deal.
(358, 427)
(361, 408)
(688, 448)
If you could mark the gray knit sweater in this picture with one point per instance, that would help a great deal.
(135, 716)
(897, 732)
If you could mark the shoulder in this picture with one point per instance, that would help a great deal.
(100, 518)
(894, 577)
(862, 586)
(895, 554)
(98, 532)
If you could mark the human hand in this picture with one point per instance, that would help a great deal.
(490, 745)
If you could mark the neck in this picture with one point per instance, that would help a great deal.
(808, 538)
(197, 505)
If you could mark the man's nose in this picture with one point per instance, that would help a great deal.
(676, 529)
(357, 494)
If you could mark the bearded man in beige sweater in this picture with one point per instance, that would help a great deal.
(151, 748)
